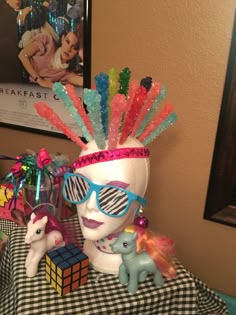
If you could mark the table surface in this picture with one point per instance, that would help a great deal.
(102, 294)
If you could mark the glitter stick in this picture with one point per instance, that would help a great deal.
(46, 112)
(113, 83)
(134, 85)
(118, 105)
(79, 106)
(152, 110)
(92, 99)
(160, 117)
(163, 126)
(102, 84)
(147, 83)
(61, 92)
(152, 95)
(124, 78)
(132, 115)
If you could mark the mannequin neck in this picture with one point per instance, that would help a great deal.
(101, 261)
(104, 244)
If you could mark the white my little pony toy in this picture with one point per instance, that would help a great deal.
(44, 232)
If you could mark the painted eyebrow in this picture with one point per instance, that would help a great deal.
(81, 174)
(112, 183)
(118, 184)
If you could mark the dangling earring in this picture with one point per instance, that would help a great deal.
(140, 220)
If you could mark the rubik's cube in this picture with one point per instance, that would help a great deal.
(66, 268)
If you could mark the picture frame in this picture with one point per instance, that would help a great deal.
(221, 196)
(17, 95)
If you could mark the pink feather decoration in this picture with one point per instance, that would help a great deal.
(132, 115)
(160, 117)
(46, 112)
(118, 105)
(79, 106)
(152, 95)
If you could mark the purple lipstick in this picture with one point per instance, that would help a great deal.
(91, 224)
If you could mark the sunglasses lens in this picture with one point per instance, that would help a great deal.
(113, 201)
(76, 188)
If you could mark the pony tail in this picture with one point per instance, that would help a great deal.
(53, 224)
(160, 248)
(143, 238)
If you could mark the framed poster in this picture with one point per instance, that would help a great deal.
(42, 42)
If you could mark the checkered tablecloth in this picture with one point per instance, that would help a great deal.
(102, 294)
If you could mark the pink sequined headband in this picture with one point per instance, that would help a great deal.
(111, 155)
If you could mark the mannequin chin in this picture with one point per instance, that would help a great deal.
(90, 220)
(129, 173)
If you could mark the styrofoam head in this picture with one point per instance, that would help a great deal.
(131, 173)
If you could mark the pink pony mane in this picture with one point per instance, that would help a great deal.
(159, 247)
(52, 224)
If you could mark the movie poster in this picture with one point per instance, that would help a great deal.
(42, 42)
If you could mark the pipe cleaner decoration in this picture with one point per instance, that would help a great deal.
(117, 109)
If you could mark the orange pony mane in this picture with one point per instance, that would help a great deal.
(160, 248)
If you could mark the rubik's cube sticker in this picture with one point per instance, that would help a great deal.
(66, 268)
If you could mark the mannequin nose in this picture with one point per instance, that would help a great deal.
(91, 202)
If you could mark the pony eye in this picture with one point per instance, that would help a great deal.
(125, 245)
(38, 231)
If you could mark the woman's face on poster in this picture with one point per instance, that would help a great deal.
(69, 47)
(15, 4)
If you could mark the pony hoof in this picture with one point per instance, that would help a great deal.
(132, 290)
(159, 284)
(123, 281)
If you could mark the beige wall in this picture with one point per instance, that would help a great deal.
(183, 44)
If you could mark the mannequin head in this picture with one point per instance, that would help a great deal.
(130, 174)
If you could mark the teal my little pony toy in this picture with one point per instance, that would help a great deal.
(143, 253)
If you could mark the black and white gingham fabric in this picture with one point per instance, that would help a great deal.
(7, 226)
(102, 294)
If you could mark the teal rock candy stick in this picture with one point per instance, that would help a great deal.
(92, 99)
(61, 92)
(102, 86)
(162, 127)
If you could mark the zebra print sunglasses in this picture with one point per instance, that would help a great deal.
(111, 200)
